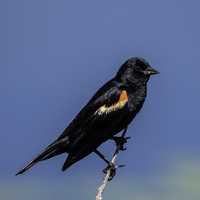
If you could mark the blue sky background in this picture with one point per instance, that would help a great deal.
(56, 54)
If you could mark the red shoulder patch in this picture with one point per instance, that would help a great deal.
(123, 99)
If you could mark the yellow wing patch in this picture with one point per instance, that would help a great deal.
(123, 99)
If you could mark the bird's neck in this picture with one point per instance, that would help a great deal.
(133, 82)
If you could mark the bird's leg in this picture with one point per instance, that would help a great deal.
(102, 156)
(121, 140)
(110, 166)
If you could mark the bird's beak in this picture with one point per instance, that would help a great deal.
(151, 71)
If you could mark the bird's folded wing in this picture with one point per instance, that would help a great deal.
(103, 103)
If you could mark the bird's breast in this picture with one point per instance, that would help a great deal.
(136, 100)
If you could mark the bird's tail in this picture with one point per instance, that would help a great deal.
(54, 149)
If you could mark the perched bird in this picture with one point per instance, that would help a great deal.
(108, 112)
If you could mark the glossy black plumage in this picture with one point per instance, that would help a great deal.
(109, 111)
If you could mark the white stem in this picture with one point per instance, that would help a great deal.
(102, 187)
(109, 174)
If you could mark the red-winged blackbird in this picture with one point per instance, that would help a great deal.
(109, 111)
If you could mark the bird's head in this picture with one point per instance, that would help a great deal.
(136, 70)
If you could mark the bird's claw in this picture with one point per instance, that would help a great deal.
(120, 141)
(112, 168)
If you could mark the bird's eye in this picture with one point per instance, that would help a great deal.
(141, 65)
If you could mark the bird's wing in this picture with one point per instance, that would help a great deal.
(102, 111)
(107, 99)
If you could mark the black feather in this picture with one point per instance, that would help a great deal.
(91, 128)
